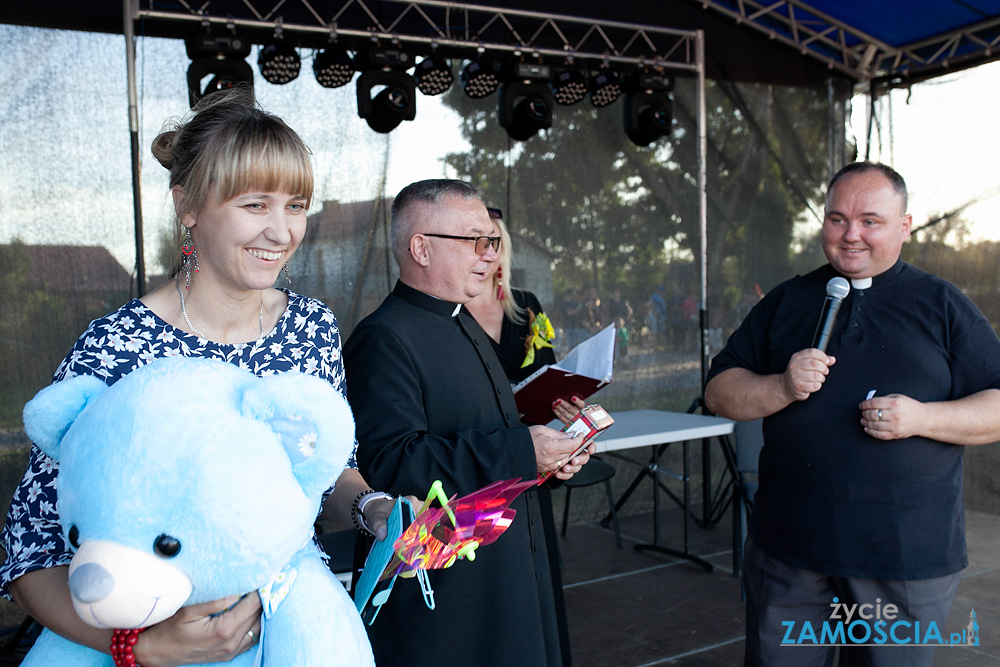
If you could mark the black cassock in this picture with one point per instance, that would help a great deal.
(431, 402)
(511, 351)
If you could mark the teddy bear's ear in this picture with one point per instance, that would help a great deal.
(312, 420)
(53, 410)
(298, 436)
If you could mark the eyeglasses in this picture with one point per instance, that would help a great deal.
(482, 242)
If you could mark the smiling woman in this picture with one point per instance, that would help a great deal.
(244, 243)
(241, 182)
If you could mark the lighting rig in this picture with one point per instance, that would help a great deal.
(648, 111)
(217, 63)
(529, 86)
(525, 105)
(278, 61)
(396, 99)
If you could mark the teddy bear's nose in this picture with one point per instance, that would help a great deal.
(90, 583)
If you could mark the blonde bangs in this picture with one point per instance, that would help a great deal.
(273, 163)
(227, 148)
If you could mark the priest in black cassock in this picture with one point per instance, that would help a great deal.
(431, 402)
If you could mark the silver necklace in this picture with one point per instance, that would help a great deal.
(187, 320)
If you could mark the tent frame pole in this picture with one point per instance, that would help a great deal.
(699, 47)
(130, 12)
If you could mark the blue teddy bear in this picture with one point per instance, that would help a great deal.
(190, 480)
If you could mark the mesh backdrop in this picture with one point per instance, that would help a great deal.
(603, 231)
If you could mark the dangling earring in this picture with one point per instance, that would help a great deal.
(288, 278)
(500, 294)
(189, 257)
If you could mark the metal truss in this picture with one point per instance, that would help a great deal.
(428, 25)
(858, 54)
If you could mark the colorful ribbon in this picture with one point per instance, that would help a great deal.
(439, 536)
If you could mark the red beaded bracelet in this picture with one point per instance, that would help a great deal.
(122, 643)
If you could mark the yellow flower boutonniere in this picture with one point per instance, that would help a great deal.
(540, 332)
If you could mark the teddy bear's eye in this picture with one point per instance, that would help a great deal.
(167, 546)
(74, 536)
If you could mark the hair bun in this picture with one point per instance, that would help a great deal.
(163, 148)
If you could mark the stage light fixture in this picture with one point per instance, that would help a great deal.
(333, 67)
(278, 62)
(570, 85)
(648, 108)
(605, 87)
(384, 68)
(481, 76)
(525, 105)
(433, 75)
(217, 63)
(525, 108)
(392, 105)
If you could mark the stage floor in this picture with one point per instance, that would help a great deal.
(638, 609)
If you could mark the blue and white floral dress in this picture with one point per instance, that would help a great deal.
(306, 339)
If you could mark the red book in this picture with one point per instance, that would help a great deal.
(587, 368)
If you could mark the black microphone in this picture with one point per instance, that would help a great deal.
(836, 290)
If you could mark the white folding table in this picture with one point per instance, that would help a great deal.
(658, 429)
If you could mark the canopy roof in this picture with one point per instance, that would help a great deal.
(795, 42)
(895, 41)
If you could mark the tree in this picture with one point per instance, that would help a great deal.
(942, 247)
(620, 216)
(30, 334)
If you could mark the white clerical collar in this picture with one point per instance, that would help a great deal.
(861, 283)
(458, 308)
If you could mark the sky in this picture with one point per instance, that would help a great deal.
(943, 139)
(64, 143)
(65, 172)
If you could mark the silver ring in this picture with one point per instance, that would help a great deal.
(879, 413)
(253, 637)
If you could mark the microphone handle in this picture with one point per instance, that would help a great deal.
(831, 306)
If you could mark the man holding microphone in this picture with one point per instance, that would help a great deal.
(860, 496)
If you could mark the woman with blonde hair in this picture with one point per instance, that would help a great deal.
(506, 314)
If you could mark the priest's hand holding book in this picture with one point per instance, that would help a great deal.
(588, 423)
(554, 450)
